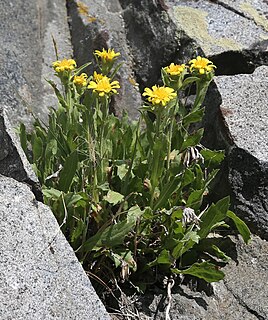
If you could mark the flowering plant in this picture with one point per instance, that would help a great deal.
(130, 196)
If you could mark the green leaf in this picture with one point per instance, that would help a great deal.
(188, 177)
(195, 199)
(186, 243)
(219, 253)
(124, 256)
(23, 137)
(193, 140)
(212, 158)
(58, 94)
(78, 230)
(194, 116)
(71, 199)
(163, 258)
(122, 171)
(189, 80)
(115, 234)
(204, 270)
(240, 225)
(51, 149)
(158, 157)
(78, 70)
(167, 191)
(113, 197)
(67, 173)
(37, 146)
(52, 193)
(215, 214)
(199, 177)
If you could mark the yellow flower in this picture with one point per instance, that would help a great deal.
(97, 76)
(104, 86)
(64, 65)
(107, 55)
(175, 69)
(80, 80)
(159, 95)
(201, 65)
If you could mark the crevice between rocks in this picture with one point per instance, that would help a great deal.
(226, 6)
(239, 62)
(13, 162)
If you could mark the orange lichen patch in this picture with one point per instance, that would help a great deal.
(82, 8)
(132, 81)
(91, 19)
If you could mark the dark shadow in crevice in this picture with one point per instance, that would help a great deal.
(240, 62)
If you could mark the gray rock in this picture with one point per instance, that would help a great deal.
(243, 99)
(13, 162)
(40, 277)
(26, 51)
(241, 295)
(256, 10)
(216, 27)
(101, 25)
(241, 130)
(53, 25)
(154, 39)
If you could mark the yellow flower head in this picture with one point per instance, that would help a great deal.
(201, 65)
(175, 69)
(80, 80)
(64, 65)
(97, 76)
(104, 86)
(107, 56)
(159, 95)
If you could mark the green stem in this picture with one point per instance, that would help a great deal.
(104, 112)
(170, 134)
(124, 190)
(201, 90)
(155, 156)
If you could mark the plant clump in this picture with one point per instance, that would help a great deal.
(130, 194)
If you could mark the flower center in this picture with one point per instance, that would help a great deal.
(104, 85)
(161, 93)
(201, 64)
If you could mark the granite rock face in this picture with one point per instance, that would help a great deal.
(26, 53)
(101, 25)
(13, 162)
(40, 277)
(239, 126)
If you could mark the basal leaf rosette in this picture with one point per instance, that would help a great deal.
(159, 96)
(202, 67)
